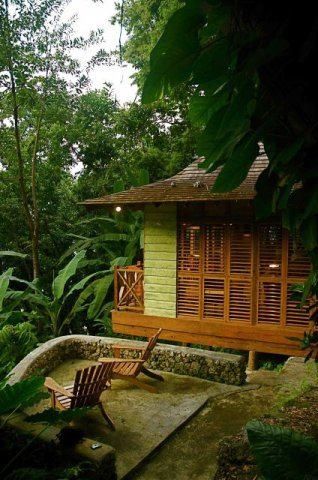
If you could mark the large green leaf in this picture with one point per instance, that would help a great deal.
(213, 62)
(227, 125)
(170, 66)
(39, 299)
(309, 233)
(312, 201)
(65, 274)
(81, 284)
(101, 287)
(11, 253)
(119, 262)
(266, 187)
(53, 417)
(208, 100)
(287, 153)
(281, 453)
(210, 145)
(21, 394)
(4, 284)
(236, 168)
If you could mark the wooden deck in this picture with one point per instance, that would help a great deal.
(267, 339)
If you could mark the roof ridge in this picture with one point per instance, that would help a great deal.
(186, 185)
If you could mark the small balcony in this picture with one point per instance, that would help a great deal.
(129, 288)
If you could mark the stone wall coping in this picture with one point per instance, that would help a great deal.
(22, 369)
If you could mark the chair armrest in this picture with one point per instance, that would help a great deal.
(128, 347)
(118, 348)
(120, 360)
(53, 385)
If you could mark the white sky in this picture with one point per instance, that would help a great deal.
(91, 16)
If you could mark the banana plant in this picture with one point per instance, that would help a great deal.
(68, 300)
(116, 239)
(17, 333)
(110, 240)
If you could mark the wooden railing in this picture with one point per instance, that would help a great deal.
(129, 288)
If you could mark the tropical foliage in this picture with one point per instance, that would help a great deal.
(243, 63)
(15, 398)
(281, 453)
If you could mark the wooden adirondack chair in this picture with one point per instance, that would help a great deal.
(129, 368)
(88, 385)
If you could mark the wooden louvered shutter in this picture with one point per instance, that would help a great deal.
(189, 263)
(297, 271)
(240, 287)
(240, 272)
(214, 271)
(270, 274)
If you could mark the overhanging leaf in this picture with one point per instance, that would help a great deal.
(21, 394)
(309, 233)
(170, 66)
(213, 62)
(206, 101)
(285, 155)
(236, 168)
(53, 417)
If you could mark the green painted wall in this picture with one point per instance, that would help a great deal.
(160, 260)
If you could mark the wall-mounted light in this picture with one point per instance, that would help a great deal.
(118, 209)
(274, 265)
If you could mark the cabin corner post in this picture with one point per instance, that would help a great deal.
(160, 260)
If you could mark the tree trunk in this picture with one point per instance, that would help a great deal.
(31, 213)
(35, 255)
(36, 223)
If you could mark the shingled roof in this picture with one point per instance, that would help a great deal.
(193, 184)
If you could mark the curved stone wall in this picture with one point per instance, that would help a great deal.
(215, 366)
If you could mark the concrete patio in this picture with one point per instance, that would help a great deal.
(144, 421)
(175, 433)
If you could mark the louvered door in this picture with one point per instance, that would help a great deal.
(282, 264)
(297, 271)
(189, 267)
(270, 274)
(240, 272)
(214, 282)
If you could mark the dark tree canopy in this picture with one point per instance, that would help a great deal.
(252, 67)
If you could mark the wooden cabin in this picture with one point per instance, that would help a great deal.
(211, 274)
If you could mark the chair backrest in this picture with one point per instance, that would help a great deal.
(151, 345)
(90, 383)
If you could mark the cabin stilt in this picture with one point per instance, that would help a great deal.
(252, 360)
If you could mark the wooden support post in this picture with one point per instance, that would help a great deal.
(252, 360)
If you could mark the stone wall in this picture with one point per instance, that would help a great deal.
(215, 366)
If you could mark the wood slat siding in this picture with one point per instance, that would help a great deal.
(160, 260)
